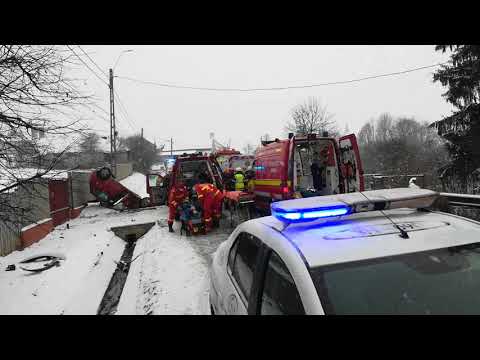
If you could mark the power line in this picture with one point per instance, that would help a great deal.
(122, 108)
(75, 91)
(278, 88)
(98, 67)
(127, 122)
(84, 63)
(89, 68)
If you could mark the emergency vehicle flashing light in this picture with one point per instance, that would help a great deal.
(318, 207)
(309, 214)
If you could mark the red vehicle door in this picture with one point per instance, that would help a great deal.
(58, 198)
(351, 164)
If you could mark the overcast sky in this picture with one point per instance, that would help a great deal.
(190, 115)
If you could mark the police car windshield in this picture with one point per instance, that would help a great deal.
(445, 281)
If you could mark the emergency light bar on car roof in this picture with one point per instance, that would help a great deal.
(308, 209)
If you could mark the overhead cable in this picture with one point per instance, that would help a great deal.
(277, 88)
(98, 67)
(88, 67)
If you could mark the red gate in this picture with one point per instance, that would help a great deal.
(59, 206)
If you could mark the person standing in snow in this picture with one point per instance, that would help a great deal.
(176, 196)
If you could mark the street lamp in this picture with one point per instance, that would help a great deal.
(119, 56)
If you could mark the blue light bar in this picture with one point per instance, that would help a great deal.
(325, 213)
(309, 214)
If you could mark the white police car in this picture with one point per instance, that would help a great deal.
(376, 252)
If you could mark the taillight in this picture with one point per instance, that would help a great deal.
(285, 190)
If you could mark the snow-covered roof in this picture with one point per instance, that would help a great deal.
(58, 143)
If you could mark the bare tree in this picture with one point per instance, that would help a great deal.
(143, 153)
(383, 128)
(397, 146)
(311, 118)
(366, 135)
(37, 105)
(90, 142)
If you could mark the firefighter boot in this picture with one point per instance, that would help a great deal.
(170, 227)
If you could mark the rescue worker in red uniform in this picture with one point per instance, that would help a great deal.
(176, 196)
(211, 200)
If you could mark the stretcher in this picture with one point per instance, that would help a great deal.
(240, 205)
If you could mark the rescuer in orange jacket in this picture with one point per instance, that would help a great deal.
(211, 200)
(176, 196)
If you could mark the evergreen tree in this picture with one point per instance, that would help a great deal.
(462, 128)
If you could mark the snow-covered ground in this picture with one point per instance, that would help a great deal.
(169, 274)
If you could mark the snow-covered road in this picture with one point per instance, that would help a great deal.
(168, 276)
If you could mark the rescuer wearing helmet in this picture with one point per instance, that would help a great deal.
(176, 196)
(239, 179)
(210, 199)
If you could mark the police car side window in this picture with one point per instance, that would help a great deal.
(245, 261)
(231, 255)
(280, 295)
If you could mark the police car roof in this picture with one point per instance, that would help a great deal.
(371, 235)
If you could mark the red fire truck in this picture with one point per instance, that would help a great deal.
(304, 166)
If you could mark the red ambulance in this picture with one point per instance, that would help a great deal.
(189, 167)
(305, 166)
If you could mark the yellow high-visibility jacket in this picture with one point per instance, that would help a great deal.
(239, 181)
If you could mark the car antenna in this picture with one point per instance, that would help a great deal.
(403, 233)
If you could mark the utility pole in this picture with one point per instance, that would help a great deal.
(171, 147)
(142, 134)
(113, 132)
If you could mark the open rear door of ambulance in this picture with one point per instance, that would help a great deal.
(351, 164)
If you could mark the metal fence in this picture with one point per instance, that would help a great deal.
(123, 170)
(465, 205)
(80, 187)
(379, 181)
(24, 205)
(9, 238)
